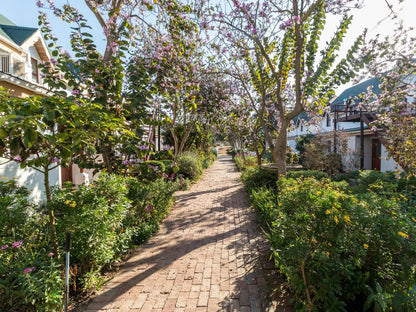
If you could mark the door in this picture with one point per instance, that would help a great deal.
(66, 174)
(376, 155)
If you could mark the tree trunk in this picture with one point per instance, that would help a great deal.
(51, 212)
(279, 150)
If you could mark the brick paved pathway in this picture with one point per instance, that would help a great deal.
(206, 256)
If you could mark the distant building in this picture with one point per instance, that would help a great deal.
(345, 117)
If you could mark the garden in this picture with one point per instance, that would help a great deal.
(344, 242)
(106, 219)
(190, 73)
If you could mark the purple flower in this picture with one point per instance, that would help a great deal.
(75, 91)
(54, 160)
(148, 208)
(27, 270)
(4, 247)
(17, 244)
(126, 162)
(53, 61)
(50, 254)
(164, 175)
(17, 158)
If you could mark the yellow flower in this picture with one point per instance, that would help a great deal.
(404, 235)
(414, 219)
(329, 244)
(347, 219)
(67, 202)
(73, 204)
(328, 211)
(327, 253)
(313, 215)
(336, 219)
(365, 246)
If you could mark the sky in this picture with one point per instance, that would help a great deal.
(373, 16)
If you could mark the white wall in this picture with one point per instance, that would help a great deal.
(387, 163)
(29, 178)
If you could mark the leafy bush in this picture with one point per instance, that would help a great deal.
(256, 177)
(170, 168)
(319, 175)
(30, 277)
(342, 251)
(190, 165)
(94, 215)
(14, 209)
(250, 161)
(149, 170)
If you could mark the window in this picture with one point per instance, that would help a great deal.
(35, 70)
(5, 64)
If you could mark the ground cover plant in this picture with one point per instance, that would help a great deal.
(345, 245)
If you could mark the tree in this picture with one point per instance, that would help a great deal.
(172, 58)
(43, 133)
(99, 78)
(278, 41)
(394, 106)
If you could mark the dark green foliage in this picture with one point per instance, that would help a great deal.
(149, 170)
(319, 175)
(257, 177)
(190, 165)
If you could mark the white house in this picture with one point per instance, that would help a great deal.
(345, 118)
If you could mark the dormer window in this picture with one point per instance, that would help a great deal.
(35, 70)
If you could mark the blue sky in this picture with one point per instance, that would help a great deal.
(25, 13)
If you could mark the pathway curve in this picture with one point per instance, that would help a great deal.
(208, 256)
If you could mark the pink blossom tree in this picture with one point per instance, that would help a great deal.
(278, 42)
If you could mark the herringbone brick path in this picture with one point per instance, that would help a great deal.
(206, 256)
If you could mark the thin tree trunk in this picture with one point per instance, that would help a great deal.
(279, 150)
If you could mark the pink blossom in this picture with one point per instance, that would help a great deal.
(27, 270)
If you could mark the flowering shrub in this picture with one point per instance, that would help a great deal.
(30, 277)
(150, 170)
(341, 251)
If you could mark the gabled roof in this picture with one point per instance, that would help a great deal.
(17, 34)
(356, 90)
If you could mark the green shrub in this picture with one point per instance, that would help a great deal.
(162, 155)
(319, 175)
(347, 251)
(149, 170)
(190, 165)
(30, 277)
(250, 161)
(14, 209)
(170, 168)
(94, 215)
(256, 177)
